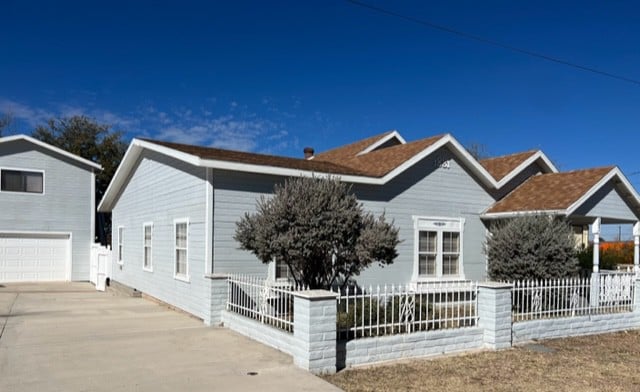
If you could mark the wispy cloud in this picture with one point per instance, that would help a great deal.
(19, 111)
(236, 128)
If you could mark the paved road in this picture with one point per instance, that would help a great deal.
(69, 337)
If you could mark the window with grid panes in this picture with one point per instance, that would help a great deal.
(181, 241)
(439, 247)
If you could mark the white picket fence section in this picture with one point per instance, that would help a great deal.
(263, 300)
(553, 298)
(100, 267)
(398, 309)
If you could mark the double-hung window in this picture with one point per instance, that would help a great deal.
(24, 181)
(438, 252)
(147, 233)
(181, 241)
(282, 270)
(120, 244)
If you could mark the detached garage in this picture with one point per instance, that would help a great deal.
(47, 212)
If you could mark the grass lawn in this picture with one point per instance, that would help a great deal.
(608, 362)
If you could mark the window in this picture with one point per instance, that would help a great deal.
(282, 270)
(147, 231)
(120, 243)
(181, 242)
(21, 181)
(439, 247)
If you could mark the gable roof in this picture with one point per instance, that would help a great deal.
(376, 167)
(359, 147)
(51, 148)
(560, 193)
(504, 168)
(377, 163)
(503, 165)
(210, 153)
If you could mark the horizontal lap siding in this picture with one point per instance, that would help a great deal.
(64, 207)
(421, 190)
(160, 190)
(428, 190)
(607, 203)
(235, 194)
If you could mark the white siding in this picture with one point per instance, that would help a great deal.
(65, 205)
(607, 203)
(422, 190)
(161, 190)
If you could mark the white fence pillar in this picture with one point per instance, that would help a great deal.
(217, 298)
(314, 329)
(596, 244)
(494, 313)
(636, 248)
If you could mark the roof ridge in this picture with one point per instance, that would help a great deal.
(373, 140)
(400, 146)
(162, 142)
(608, 168)
(510, 155)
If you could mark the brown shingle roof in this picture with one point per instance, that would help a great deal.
(380, 162)
(342, 160)
(259, 159)
(553, 191)
(499, 167)
(349, 150)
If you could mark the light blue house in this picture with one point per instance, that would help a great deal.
(175, 207)
(47, 212)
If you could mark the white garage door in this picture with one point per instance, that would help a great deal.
(34, 257)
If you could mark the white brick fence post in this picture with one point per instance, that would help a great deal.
(314, 330)
(636, 296)
(217, 298)
(494, 313)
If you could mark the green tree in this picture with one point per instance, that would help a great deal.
(532, 247)
(96, 142)
(319, 229)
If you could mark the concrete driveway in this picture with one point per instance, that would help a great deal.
(69, 337)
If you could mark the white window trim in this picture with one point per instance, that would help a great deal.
(25, 170)
(439, 276)
(150, 267)
(185, 277)
(271, 273)
(120, 244)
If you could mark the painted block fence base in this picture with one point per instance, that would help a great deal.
(314, 347)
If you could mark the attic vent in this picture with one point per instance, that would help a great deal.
(308, 152)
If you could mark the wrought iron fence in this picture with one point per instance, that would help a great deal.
(554, 298)
(269, 302)
(391, 310)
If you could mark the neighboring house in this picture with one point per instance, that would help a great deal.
(175, 207)
(47, 212)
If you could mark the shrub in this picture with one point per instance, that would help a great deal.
(611, 254)
(532, 247)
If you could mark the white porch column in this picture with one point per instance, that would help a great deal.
(636, 247)
(596, 245)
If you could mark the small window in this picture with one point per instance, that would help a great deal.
(21, 181)
(120, 243)
(282, 270)
(439, 247)
(147, 232)
(181, 243)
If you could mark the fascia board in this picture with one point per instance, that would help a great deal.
(50, 148)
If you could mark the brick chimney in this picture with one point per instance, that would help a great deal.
(308, 152)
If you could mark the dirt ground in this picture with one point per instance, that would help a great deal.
(608, 362)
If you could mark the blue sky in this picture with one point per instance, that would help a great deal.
(277, 76)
